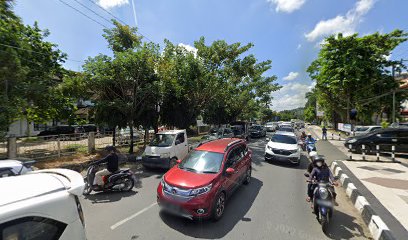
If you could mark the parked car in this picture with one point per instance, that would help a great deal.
(15, 167)
(123, 136)
(386, 138)
(256, 131)
(283, 146)
(42, 205)
(65, 132)
(90, 128)
(165, 149)
(218, 133)
(271, 126)
(199, 185)
(240, 129)
(363, 130)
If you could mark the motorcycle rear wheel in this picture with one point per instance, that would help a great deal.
(129, 184)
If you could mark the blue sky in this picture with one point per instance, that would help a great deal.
(287, 32)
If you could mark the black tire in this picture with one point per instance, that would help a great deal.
(129, 184)
(325, 223)
(248, 176)
(173, 162)
(219, 207)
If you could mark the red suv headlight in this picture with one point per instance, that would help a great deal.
(201, 190)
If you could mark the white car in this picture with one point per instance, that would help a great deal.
(283, 146)
(42, 205)
(363, 130)
(15, 167)
(165, 149)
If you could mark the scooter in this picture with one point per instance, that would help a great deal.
(121, 180)
(323, 202)
(310, 146)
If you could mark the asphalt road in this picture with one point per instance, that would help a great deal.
(272, 206)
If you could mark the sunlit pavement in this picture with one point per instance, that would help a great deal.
(272, 206)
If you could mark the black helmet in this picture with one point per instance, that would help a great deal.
(318, 158)
(110, 148)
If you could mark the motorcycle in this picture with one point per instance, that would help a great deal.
(310, 146)
(121, 180)
(323, 202)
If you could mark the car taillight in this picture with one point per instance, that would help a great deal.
(80, 212)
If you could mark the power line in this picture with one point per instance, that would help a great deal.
(108, 12)
(83, 13)
(29, 50)
(83, 5)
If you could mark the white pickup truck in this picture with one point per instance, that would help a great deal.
(165, 149)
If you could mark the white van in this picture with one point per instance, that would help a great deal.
(42, 205)
(165, 149)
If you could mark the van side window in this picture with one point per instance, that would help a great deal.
(180, 137)
(33, 228)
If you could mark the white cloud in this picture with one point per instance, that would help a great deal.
(107, 4)
(189, 48)
(341, 24)
(287, 5)
(291, 96)
(299, 46)
(291, 76)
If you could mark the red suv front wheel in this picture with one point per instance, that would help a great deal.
(219, 206)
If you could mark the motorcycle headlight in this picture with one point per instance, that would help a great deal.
(323, 193)
(164, 155)
(199, 191)
(353, 140)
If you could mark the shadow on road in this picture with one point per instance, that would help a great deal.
(304, 162)
(237, 207)
(344, 226)
(108, 197)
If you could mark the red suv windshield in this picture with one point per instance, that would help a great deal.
(202, 162)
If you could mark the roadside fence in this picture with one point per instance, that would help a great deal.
(3, 149)
(379, 154)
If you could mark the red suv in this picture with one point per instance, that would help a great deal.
(199, 185)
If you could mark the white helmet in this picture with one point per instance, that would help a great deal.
(312, 154)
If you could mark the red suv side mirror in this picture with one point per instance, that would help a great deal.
(178, 161)
(230, 171)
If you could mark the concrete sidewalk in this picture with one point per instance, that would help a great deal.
(339, 144)
(379, 190)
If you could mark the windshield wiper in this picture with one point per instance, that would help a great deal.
(189, 169)
(208, 172)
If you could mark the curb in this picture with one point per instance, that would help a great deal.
(376, 225)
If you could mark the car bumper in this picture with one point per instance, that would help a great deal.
(293, 158)
(156, 162)
(185, 208)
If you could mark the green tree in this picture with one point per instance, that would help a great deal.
(351, 70)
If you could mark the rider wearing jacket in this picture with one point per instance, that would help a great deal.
(320, 172)
(112, 165)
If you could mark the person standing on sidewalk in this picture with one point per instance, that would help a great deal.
(324, 131)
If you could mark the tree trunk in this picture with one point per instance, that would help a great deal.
(113, 136)
(146, 135)
(131, 137)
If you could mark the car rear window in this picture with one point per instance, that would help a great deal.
(283, 139)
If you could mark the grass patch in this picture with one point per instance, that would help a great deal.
(195, 139)
(79, 148)
(30, 139)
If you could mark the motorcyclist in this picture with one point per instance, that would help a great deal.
(112, 163)
(320, 172)
(303, 136)
(309, 139)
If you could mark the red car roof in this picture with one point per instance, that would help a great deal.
(217, 145)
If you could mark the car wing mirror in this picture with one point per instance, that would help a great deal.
(267, 139)
(306, 174)
(177, 142)
(230, 171)
(178, 161)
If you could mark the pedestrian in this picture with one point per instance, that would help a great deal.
(324, 130)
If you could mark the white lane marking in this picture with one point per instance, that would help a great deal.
(132, 216)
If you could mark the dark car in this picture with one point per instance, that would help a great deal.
(257, 131)
(385, 138)
(199, 186)
(90, 128)
(65, 132)
(239, 132)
